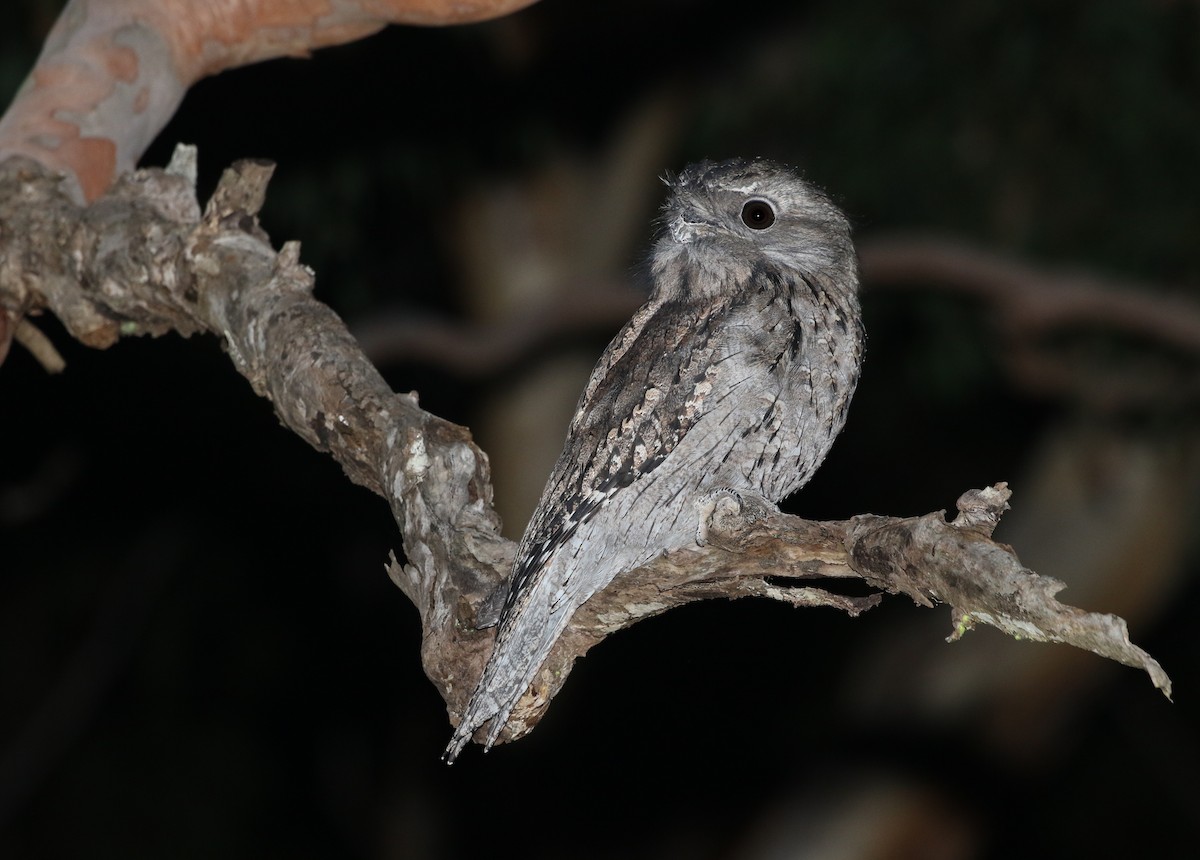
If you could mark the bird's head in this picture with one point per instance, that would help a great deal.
(726, 219)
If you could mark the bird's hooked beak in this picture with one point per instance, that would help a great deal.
(686, 232)
(688, 223)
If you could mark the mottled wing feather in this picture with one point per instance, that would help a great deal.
(663, 359)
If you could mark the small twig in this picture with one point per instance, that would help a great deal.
(6, 333)
(39, 346)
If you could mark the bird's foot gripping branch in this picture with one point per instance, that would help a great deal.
(751, 549)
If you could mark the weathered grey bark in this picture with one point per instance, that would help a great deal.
(145, 259)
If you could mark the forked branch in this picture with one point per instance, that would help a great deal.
(145, 259)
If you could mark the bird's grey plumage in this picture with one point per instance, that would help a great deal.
(736, 373)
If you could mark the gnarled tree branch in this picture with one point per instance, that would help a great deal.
(145, 259)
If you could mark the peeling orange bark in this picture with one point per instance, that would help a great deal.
(113, 72)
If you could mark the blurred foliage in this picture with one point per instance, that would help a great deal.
(265, 696)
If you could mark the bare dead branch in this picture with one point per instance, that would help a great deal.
(145, 260)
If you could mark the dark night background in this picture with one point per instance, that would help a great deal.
(201, 654)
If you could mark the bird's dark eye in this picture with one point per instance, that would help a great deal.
(758, 215)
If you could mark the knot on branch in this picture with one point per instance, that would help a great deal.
(980, 510)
